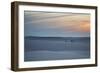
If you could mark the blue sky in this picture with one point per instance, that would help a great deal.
(50, 24)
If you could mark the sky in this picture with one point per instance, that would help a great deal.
(56, 24)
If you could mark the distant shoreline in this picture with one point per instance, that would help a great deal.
(53, 37)
(57, 38)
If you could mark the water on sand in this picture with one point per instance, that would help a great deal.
(42, 49)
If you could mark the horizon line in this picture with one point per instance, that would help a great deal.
(55, 36)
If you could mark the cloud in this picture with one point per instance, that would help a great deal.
(46, 23)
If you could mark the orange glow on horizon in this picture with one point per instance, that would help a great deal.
(84, 27)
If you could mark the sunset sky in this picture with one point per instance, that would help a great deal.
(50, 24)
